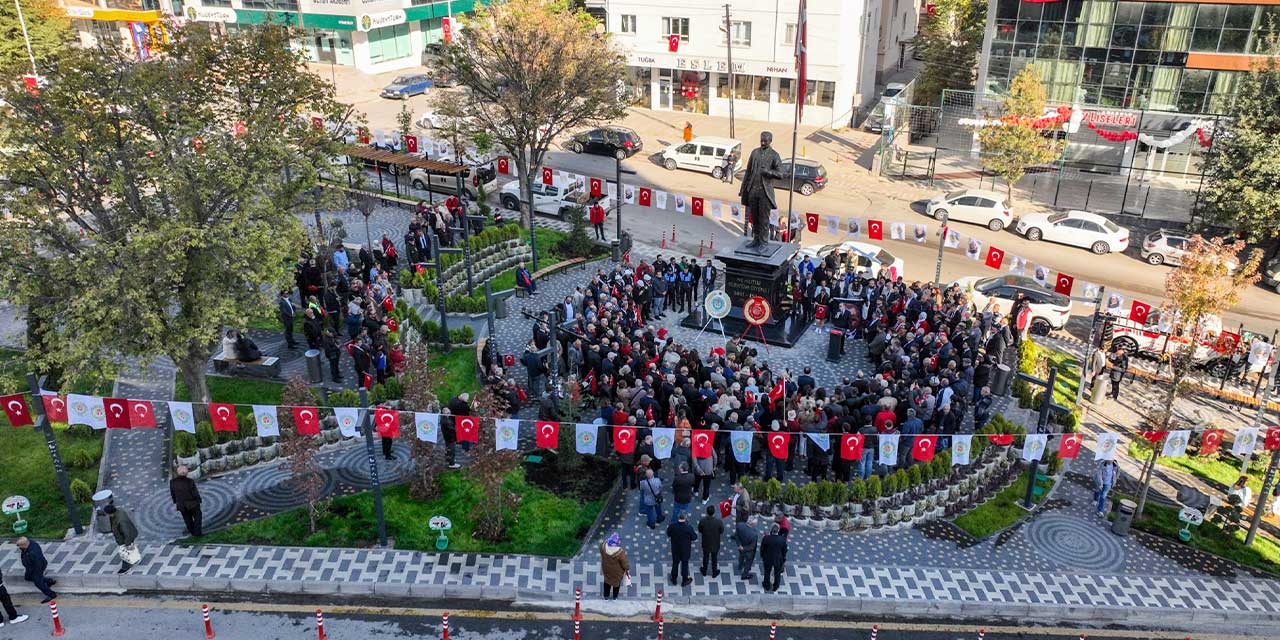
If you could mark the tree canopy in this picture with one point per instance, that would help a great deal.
(151, 204)
(949, 42)
(47, 27)
(1011, 148)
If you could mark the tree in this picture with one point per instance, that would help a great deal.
(949, 41)
(490, 468)
(157, 199)
(47, 27)
(1242, 176)
(1015, 144)
(533, 69)
(421, 380)
(1199, 290)
(301, 451)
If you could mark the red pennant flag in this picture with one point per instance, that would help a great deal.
(648, 413)
(16, 410)
(851, 446)
(646, 196)
(546, 434)
(1210, 441)
(141, 414)
(702, 441)
(55, 407)
(1153, 436)
(1002, 439)
(671, 416)
(306, 421)
(548, 176)
(223, 416)
(995, 257)
(386, 422)
(411, 144)
(624, 439)
(317, 122)
(750, 398)
(117, 412)
(1063, 285)
(875, 230)
(1069, 447)
(503, 166)
(363, 134)
(521, 395)
(726, 508)
(508, 361)
(697, 205)
(779, 444)
(597, 187)
(238, 128)
(811, 221)
(673, 42)
(467, 428)
(924, 447)
(1138, 311)
(591, 379)
(1273, 439)
(776, 393)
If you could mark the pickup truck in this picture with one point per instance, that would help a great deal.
(552, 199)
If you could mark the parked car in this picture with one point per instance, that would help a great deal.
(893, 89)
(1271, 274)
(409, 85)
(705, 154)
(861, 257)
(552, 199)
(473, 179)
(811, 176)
(1049, 309)
(613, 141)
(1076, 228)
(1163, 334)
(972, 205)
(1165, 246)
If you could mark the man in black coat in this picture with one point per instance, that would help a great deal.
(186, 497)
(747, 537)
(7, 605)
(711, 528)
(285, 311)
(34, 566)
(460, 405)
(682, 537)
(773, 554)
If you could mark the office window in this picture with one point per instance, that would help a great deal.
(271, 5)
(676, 26)
(786, 91)
(741, 32)
(389, 43)
(790, 34)
(628, 24)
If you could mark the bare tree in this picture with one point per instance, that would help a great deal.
(420, 381)
(490, 468)
(301, 451)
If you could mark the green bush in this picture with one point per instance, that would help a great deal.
(915, 475)
(811, 495)
(462, 335)
(204, 435)
(773, 490)
(791, 494)
(80, 431)
(858, 490)
(344, 398)
(875, 488)
(184, 444)
(81, 459)
(839, 493)
(81, 491)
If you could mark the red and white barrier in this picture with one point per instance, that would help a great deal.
(773, 631)
(875, 631)
(577, 630)
(320, 625)
(445, 633)
(208, 624)
(657, 612)
(664, 240)
(57, 622)
(577, 603)
(982, 633)
(659, 628)
(673, 234)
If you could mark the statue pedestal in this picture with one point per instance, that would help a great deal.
(757, 271)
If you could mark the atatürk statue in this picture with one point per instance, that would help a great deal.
(764, 166)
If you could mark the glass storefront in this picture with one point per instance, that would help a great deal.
(683, 90)
(389, 43)
(639, 85)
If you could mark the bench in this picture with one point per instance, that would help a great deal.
(547, 271)
(264, 367)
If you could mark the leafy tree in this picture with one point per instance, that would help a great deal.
(577, 244)
(47, 27)
(156, 200)
(301, 451)
(490, 468)
(533, 69)
(949, 42)
(420, 383)
(1016, 144)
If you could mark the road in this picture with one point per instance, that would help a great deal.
(284, 618)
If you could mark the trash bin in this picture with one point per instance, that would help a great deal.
(616, 247)
(1096, 391)
(1003, 380)
(102, 522)
(314, 373)
(1124, 517)
(835, 345)
(500, 310)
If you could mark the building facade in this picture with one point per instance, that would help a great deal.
(135, 24)
(1165, 56)
(899, 23)
(842, 56)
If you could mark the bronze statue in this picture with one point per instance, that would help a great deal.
(764, 166)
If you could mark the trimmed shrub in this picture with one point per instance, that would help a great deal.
(81, 491)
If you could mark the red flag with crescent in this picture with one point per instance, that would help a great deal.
(995, 257)
(411, 144)
(546, 434)
(811, 221)
(1063, 284)
(1153, 436)
(1138, 311)
(1069, 447)
(851, 446)
(597, 187)
(697, 203)
(923, 448)
(141, 414)
(875, 230)
(55, 407)
(1272, 442)
(306, 420)
(726, 508)
(624, 439)
(16, 410)
(548, 176)
(673, 43)
(504, 166)
(467, 428)
(1002, 439)
(1210, 441)
(779, 444)
(387, 422)
(117, 412)
(223, 416)
(703, 440)
(646, 196)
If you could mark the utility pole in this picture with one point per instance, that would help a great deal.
(728, 47)
(1271, 469)
(942, 242)
(366, 423)
(32, 56)
(1087, 367)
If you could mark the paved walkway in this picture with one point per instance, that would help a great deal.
(134, 459)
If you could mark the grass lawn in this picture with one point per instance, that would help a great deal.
(26, 469)
(544, 525)
(235, 390)
(1220, 469)
(460, 371)
(999, 512)
(1264, 554)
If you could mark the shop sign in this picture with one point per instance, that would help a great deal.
(371, 21)
(332, 3)
(210, 14)
(696, 63)
(1116, 118)
(79, 12)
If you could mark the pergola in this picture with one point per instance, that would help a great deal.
(391, 158)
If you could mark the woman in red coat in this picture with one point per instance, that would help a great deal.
(596, 217)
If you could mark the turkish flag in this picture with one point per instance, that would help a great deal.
(15, 408)
(1210, 441)
(597, 187)
(508, 361)
(776, 393)
(779, 444)
(924, 447)
(317, 122)
(306, 421)
(1153, 436)
(624, 439)
(646, 196)
(141, 414)
(726, 508)
(702, 441)
(387, 422)
(238, 128)
(223, 416)
(1063, 284)
(55, 407)
(696, 202)
(548, 176)
(546, 434)
(1273, 439)
(995, 257)
(467, 428)
(875, 230)
(117, 411)
(673, 42)
(648, 413)
(1002, 439)
(811, 221)
(363, 135)
(411, 144)
(1138, 311)
(1069, 447)
(503, 166)
(851, 446)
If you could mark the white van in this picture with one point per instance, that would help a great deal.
(705, 154)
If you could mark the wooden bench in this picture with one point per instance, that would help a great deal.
(558, 267)
(264, 367)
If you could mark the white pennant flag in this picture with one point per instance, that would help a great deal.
(86, 410)
(961, 445)
(585, 438)
(888, 445)
(823, 440)
(506, 433)
(1107, 443)
(427, 425)
(952, 240)
(680, 200)
(265, 417)
(629, 194)
(660, 199)
(1175, 443)
(348, 421)
(1033, 446)
(663, 439)
(181, 416)
(897, 231)
(833, 225)
(920, 233)
(611, 188)
(1246, 439)
(717, 210)
(1017, 265)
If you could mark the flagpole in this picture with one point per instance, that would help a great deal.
(798, 95)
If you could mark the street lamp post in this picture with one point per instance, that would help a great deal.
(942, 242)
(366, 424)
(60, 470)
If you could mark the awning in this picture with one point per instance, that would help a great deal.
(405, 160)
(85, 11)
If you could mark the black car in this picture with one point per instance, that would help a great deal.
(617, 142)
(811, 176)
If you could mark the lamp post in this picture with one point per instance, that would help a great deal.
(366, 423)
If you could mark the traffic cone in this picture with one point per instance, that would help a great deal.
(673, 234)
(657, 612)
(208, 624)
(57, 623)
(320, 625)
(664, 239)
(875, 631)
(713, 241)
(700, 242)
(446, 626)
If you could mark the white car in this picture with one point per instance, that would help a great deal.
(972, 205)
(473, 179)
(1076, 228)
(1050, 310)
(1164, 246)
(860, 257)
(704, 153)
(552, 199)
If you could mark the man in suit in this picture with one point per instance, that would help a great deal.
(186, 497)
(711, 528)
(34, 566)
(285, 311)
(682, 537)
(747, 537)
(709, 275)
(773, 553)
